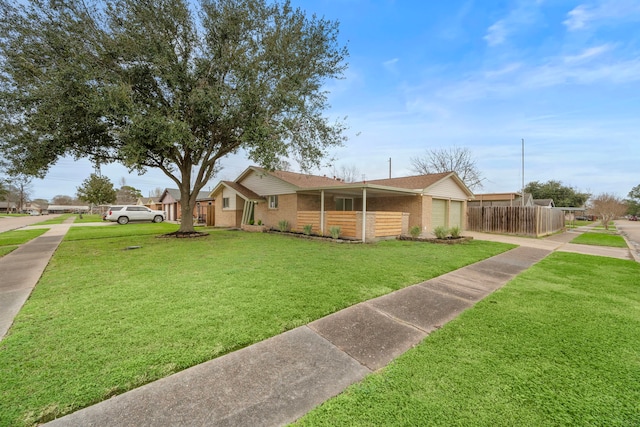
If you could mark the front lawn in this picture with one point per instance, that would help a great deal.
(557, 346)
(106, 318)
(10, 240)
(600, 239)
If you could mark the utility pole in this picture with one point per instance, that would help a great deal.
(522, 196)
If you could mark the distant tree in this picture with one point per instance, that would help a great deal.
(175, 85)
(608, 207)
(157, 192)
(96, 190)
(126, 194)
(4, 190)
(562, 195)
(61, 199)
(633, 202)
(455, 159)
(18, 189)
(346, 173)
(43, 203)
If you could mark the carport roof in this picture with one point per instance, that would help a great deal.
(356, 189)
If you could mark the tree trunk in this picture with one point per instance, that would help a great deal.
(187, 203)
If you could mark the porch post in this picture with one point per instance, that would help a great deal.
(322, 212)
(364, 214)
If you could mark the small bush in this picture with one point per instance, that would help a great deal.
(307, 229)
(250, 222)
(415, 231)
(455, 232)
(441, 232)
(335, 232)
(259, 222)
(283, 225)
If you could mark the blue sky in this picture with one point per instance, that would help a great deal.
(563, 75)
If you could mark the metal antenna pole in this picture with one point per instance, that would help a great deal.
(522, 172)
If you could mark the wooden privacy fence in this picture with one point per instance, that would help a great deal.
(528, 221)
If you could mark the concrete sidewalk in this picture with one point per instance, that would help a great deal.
(21, 269)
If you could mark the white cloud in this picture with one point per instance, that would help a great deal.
(601, 12)
(496, 34)
(391, 65)
(522, 16)
(577, 18)
(588, 53)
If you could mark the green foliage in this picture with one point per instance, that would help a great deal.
(415, 231)
(334, 231)
(557, 346)
(455, 231)
(93, 328)
(97, 190)
(600, 239)
(18, 237)
(562, 195)
(633, 202)
(307, 229)
(283, 225)
(173, 85)
(259, 222)
(441, 232)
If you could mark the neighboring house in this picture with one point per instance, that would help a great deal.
(545, 203)
(58, 209)
(363, 210)
(151, 202)
(170, 201)
(33, 208)
(500, 199)
(7, 207)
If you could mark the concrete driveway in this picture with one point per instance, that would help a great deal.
(630, 230)
(14, 222)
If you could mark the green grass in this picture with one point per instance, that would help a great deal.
(575, 223)
(104, 320)
(7, 249)
(18, 237)
(88, 218)
(558, 345)
(59, 219)
(600, 239)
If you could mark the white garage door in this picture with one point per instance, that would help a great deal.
(456, 214)
(438, 213)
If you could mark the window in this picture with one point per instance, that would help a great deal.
(273, 202)
(225, 202)
(343, 204)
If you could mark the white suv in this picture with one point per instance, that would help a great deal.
(124, 214)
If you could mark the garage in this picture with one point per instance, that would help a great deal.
(456, 214)
(438, 213)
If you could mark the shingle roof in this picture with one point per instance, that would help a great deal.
(242, 190)
(418, 182)
(302, 180)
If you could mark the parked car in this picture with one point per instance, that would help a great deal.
(126, 213)
(633, 218)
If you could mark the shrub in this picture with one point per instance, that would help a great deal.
(250, 222)
(455, 231)
(307, 229)
(441, 232)
(415, 231)
(283, 225)
(259, 222)
(335, 232)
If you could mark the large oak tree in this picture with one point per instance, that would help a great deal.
(166, 84)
